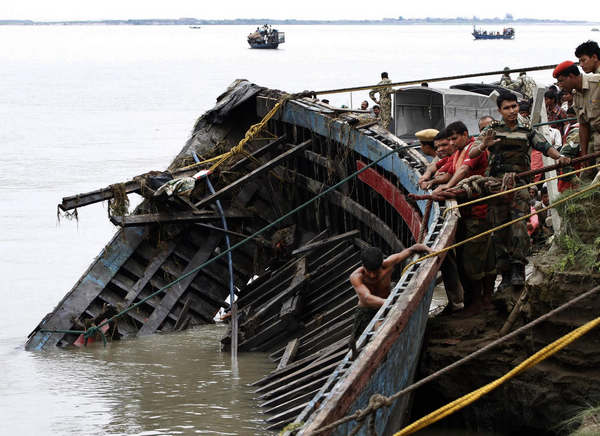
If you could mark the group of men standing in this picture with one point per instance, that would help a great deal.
(502, 150)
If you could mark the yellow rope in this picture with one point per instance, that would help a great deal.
(464, 401)
(487, 232)
(252, 132)
(518, 188)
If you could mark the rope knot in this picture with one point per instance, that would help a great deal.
(377, 401)
(91, 331)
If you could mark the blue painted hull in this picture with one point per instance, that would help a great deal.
(271, 46)
(388, 356)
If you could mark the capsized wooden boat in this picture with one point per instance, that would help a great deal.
(299, 307)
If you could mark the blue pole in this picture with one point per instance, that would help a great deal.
(232, 304)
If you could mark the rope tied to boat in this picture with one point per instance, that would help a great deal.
(471, 397)
(376, 402)
(494, 229)
(487, 184)
(388, 401)
(251, 133)
(491, 185)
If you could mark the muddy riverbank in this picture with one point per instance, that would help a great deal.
(545, 398)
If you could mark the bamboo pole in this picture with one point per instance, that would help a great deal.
(436, 79)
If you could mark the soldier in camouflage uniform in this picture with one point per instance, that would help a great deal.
(505, 80)
(509, 142)
(385, 99)
(524, 84)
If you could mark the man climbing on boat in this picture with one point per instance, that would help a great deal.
(372, 283)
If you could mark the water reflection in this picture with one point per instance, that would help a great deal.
(162, 384)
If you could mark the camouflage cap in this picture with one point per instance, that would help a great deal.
(426, 135)
(506, 69)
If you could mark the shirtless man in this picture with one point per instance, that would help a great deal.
(372, 282)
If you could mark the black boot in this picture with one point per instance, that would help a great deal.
(517, 274)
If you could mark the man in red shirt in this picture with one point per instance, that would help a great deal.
(476, 259)
(443, 151)
(554, 111)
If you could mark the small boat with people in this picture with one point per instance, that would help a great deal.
(507, 33)
(266, 37)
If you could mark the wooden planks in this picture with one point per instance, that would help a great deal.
(253, 175)
(326, 242)
(261, 151)
(166, 217)
(173, 294)
(289, 353)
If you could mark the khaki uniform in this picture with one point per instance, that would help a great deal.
(587, 107)
(512, 154)
(384, 102)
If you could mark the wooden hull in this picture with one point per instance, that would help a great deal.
(300, 309)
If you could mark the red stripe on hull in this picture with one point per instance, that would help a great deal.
(392, 195)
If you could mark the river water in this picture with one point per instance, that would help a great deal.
(82, 107)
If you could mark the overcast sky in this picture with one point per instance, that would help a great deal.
(49, 10)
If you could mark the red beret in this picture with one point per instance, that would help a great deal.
(561, 67)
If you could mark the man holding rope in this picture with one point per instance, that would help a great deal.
(509, 142)
(586, 102)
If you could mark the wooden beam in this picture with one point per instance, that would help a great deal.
(257, 239)
(297, 282)
(257, 153)
(350, 206)
(172, 295)
(319, 159)
(287, 395)
(75, 201)
(181, 319)
(165, 217)
(326, 242)
(98, 195)
(151, 268)
(289, 353)
(257, 172)
(286, 380)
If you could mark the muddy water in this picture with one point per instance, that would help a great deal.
(82, 107)
(158, 385)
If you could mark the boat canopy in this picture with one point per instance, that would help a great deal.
(420, 107)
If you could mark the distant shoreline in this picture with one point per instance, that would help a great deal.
(290, 22)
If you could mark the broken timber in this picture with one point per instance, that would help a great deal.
(257, 172)
(134, 186)
(169, 217)
(325, 242)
